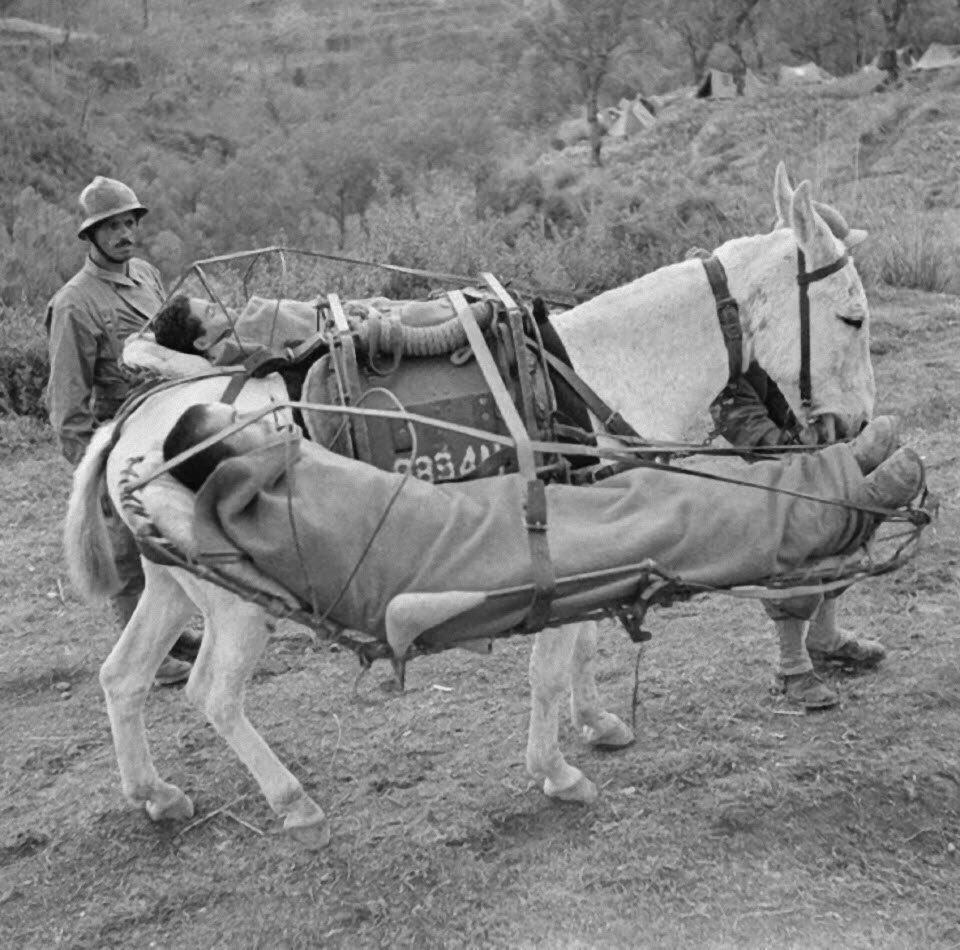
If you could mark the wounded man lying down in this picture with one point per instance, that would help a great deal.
(306, 517)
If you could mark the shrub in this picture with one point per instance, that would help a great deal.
(24, 366)
(910, 246)
(23, 379)
(915, 257)
(43, 250)
(23, 435)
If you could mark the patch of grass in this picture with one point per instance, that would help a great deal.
(916, 257)
(24, 435)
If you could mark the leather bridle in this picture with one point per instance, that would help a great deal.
(805, 279)
(728, 313)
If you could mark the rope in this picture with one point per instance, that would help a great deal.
(386, 511)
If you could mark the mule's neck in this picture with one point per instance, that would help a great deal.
(652, 349)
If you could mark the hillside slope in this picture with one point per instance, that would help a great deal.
(889, 159)
(232, 129)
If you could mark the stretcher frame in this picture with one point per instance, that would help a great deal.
(624, 593)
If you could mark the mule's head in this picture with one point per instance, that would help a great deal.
(842, 389)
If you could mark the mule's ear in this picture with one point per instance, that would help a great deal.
(855, 236)
(851, 237)
(782, 196)
(808, 226)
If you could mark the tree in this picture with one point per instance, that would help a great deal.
(739, 21)
(289, 29)
(817, 30)
(699, 25)
(892, 13)
(588, 36)
(344, 184)
(702, 25)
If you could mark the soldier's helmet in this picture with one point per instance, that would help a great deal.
(102, 199)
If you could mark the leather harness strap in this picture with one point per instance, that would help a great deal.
(535, 504)
(344, 358)
(804, 280)
(728, 313)
(610, 419)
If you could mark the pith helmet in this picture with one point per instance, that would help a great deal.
(103, 198)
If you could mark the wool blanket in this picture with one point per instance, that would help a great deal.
(347, 537)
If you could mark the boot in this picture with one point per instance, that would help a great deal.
(852, 654)
(807, 690)
(895, 482)
(876, 443)
(828, 645)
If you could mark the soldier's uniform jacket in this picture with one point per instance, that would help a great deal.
(87, 322)
(751, 411)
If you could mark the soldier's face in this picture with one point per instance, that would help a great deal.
(117, 235)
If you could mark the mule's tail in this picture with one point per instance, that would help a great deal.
(86, 541)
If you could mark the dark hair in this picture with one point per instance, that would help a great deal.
(190, 429)
(176, 327)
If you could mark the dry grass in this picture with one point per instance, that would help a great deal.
(730, 823)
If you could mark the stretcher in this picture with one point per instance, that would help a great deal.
(160, 512)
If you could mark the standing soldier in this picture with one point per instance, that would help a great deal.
(87, 321)
(751, 411)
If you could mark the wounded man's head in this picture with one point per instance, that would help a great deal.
(203, 421)
(177, 327)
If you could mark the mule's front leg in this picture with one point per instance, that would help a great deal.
(550, 664)
(235, 634)
(126, 677)
(597, 726)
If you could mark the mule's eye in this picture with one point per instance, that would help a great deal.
(851, 322)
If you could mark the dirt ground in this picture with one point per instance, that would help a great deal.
(732, 822)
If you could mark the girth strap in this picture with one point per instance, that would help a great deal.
(535, 504)
(728, 313)
(611, 420)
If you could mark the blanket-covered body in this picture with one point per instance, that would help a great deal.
(348, 538)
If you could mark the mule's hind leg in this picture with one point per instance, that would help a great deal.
(126, 677)
(550, 664)
(597, 726)
(235, 634)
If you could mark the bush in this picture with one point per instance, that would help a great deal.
(910, 246)
(915, 257)
(23, 435)
(24, 366)
(42, 251)
(23, 379)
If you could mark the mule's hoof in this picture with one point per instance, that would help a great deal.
(582, 792)
(313, 834)
(172, 805)
(307, 824)
(612, 733)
